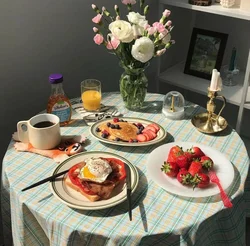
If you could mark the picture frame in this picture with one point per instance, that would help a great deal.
(206, 50)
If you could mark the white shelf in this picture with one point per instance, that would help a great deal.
(215, 8)
(177, 77)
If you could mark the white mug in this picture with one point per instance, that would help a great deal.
(42, 131)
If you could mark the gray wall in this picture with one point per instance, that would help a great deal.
(43, 37)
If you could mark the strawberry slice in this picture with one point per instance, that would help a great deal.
(150, 133)
(141, 138)
(155, 126)
(151, 128)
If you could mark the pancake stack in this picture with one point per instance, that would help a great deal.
(119, 131)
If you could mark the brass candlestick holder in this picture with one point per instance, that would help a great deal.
(210, 122)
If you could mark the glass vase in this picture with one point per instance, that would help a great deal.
(133, 87)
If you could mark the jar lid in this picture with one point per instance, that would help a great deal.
(55, 78)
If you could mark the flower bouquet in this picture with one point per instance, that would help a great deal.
(135, 42)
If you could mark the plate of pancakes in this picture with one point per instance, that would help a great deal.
(128, 131)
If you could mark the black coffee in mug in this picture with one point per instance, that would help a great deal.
(44, 124)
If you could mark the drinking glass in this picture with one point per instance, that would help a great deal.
(91, 94)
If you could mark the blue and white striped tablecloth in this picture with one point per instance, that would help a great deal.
(36, 217)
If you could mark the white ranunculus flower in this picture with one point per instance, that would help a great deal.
(143, 49)
(137, 19)
(165, 38)
(137, 30)
(122, 30)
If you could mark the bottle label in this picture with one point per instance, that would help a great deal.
(62, 110)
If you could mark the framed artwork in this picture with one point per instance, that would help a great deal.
(205, 52)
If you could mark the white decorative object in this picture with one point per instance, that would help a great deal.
(173, 105)
(227, 3)
(215, 81)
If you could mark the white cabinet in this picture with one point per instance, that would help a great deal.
(238, 95)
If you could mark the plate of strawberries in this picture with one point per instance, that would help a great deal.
(182, 168)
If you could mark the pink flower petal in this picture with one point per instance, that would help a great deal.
(98, 39)
(97, 19)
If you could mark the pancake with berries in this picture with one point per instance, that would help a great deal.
(125, 131)
(118, 130)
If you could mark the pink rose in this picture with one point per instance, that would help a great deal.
(166, 13)
(98, 38)
(113, 44)
(151, 30)
(97, 19)
(126, 2)
(159, 26)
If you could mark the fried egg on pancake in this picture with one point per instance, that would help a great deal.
(126, 132)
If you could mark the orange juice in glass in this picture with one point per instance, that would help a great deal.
(91, 94)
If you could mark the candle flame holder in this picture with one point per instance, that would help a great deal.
(210, 122)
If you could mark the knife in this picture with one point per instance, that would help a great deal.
(128, 183)
(51, 178)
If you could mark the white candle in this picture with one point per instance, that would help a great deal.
(214, 80)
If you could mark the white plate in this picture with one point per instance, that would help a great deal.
(160, 135)
(75, 200)
(223, 167)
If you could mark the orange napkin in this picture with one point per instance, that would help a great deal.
(69, 146)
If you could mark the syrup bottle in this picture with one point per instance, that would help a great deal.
(58, 102)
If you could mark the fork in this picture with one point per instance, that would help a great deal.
(213, 177)
(96, 117)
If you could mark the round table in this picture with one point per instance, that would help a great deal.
(159, 218)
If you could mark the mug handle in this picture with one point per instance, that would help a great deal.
(23, 133)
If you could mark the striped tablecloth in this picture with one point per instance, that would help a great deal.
(36, 217)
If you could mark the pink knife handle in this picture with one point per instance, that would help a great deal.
(224, 196)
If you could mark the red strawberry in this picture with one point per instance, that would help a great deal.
(206, 162)
(195, 167)
(170, 168)
(182, 161)
(196, 152)
(188, 155)
(183, 176)
(200, 180)
(174, 152)
(116, 120)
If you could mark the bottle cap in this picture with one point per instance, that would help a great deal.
(55, 78)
